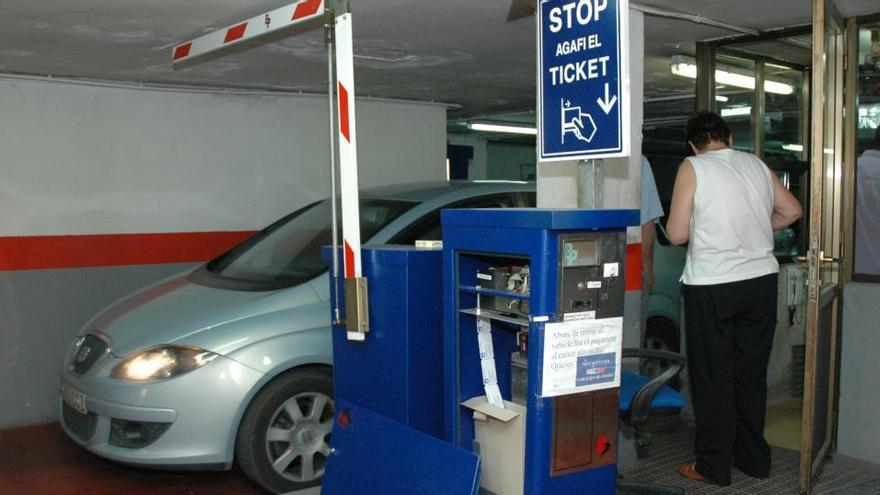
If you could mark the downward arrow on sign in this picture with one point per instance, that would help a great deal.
(606, 104)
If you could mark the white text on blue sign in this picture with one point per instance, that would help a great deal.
(577, 13)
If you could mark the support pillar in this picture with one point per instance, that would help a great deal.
(611, 182)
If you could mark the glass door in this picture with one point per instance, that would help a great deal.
(824, 240)
(760, 86)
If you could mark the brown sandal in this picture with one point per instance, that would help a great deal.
(689, 471)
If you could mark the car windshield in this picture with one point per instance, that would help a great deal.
(288, 252)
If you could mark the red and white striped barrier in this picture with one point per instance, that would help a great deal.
(255, 27)
(272, 22)
(348, 169)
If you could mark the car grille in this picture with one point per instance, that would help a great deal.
(135, 434)
(81, 425)
(89, 351)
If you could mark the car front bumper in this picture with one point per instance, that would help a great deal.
(188, 421)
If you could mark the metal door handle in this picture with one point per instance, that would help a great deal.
(826, 259)
(822, 258)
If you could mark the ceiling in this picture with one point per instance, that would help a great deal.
(459, 52)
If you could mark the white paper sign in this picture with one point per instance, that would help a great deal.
(610, 270)
(582, 315)
(581, 355)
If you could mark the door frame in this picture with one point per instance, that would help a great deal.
(823, 294)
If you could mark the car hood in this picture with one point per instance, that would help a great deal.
(176, 310)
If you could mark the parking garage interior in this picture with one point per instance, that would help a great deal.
(123, 172)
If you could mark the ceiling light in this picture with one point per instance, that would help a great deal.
(721, 98)
(510, 129)
(793, 147)
(736, 111)
(686, 69)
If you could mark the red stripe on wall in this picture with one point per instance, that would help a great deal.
(343, 112)
(182, 51)
(633, 267)
(235, 32)
(85, 251)
(306, 8)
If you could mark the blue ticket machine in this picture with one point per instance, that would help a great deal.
(533, 310)
(388, 428)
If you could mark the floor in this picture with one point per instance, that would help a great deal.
(42, 460)
(783, 427)
(672, 442)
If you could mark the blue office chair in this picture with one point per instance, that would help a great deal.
(640, 398)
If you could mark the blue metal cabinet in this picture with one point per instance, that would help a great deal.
(570, 441)
(388, 429)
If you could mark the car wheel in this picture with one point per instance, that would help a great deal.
(662, 335)
(284, 438)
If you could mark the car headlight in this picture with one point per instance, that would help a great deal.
(161, 362)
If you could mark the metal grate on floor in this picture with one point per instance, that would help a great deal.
(671, 445)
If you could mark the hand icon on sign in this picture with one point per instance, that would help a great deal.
(576, 122)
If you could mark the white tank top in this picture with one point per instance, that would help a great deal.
(731, 238)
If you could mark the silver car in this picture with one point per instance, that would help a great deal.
(232, 360)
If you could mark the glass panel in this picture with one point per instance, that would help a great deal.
(782, 123)
(867, 200)
(664, 141)
(831, 177)
(734, 97)
(289, 251)
(788, 242)
(784, 114)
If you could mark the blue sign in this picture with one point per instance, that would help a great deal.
(583, 86)
(598, 368)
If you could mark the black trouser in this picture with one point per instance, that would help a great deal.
(729, 336)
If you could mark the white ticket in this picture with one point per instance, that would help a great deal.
(493, 396)
(483, 325)
(485, 341)
(489, 375)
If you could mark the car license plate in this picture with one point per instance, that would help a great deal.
(74, 398)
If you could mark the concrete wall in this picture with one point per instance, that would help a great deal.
(479, 163)
(93, 166)
(507, 161)
(40, 311)
(78, 158)
(859, 422)
(492, 160)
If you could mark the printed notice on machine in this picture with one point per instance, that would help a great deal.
(581, 355)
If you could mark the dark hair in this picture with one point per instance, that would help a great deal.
(704, 127)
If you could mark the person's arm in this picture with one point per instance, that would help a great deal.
(786, 209)
(679, 223)
(649, 233)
